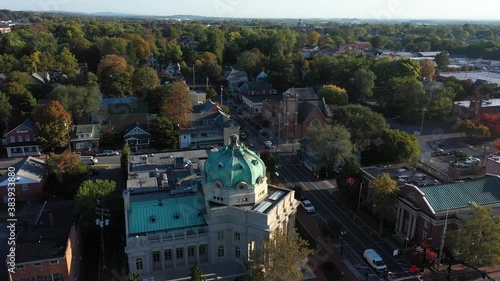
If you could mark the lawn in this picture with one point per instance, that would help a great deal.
(3, 172)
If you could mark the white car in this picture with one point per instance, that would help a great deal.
(374, 260)
(308, 206)
(472, 159)
(110, 153)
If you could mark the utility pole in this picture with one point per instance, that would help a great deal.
(207, 85)
(101, 222)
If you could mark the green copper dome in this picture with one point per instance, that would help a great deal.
(235, 166)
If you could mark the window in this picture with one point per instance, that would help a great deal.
(27, 137)
(12, 139)
(220, 251)
(220, 235)
(80, 145)
(179, 253)
(426, 224)
(156, 256)
(19, 266)
(168, 255)
(191, 251)
(237, 252)
(237, 236)
(23, 279)
(20, 138)
(37, 264)
(40, 278)
(203, 250)
(54, 262)
(138, 264)
(57, 277)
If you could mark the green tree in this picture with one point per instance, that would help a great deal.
(398, 145)
(21, 98)
(473, 128)
(280, 258)
(176, 103)
(79, 101)
(382, 197)
(214, 43)
(67, 62)
(115, 76)
(364, 82)
(7, 63)
(88, 195)
(478, 239)
(207, 63)
(249, 61)
(5, 108)
(53, 124)
(313, 37)
(145, 79)
(331, 145)
(165, 133)
(333, 95)
(196, 274)
(363, 124)
(428, 69)
(124, 161)
(405, 96)
(442, 60)
(170, 52)
(21, 78)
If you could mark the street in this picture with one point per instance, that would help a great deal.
(358, 237)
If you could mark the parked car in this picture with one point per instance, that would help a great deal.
(89, 153)
(268, 144)
(89, 160)
(110, 153)
(374, 260)
(308, 206)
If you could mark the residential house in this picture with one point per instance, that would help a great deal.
(310, 51)
(235, 78)
(423, 212)
(21, 140)
(359, 47)
(207, 129)
(207, 106)
(256, 88)
(101, 117)
(172, 68)
(5, 28)
(254, 103)
(123, 114)
(137, 136)
(215, 213)
(85, 137)
(198, 97)
(49, 248)
(29, 180)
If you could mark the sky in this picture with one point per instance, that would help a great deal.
(360, 9)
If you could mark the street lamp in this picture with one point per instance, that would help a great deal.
(426, 245)
(422, 124)
(342, 233)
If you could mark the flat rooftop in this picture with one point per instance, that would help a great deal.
(403, 175)
(490, 76)
(485, 103)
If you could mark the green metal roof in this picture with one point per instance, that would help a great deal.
(458, 195)
(165, 214)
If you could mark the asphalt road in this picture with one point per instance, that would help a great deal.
(359, 236)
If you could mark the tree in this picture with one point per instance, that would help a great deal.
(21, 78)
(208, 64)
(115, 76)
(496, 144)
(313, 37)
(333, 95)
(176, 103)
(196, 274)
(170, 52)
(492, 121)
(398, 145)
(478, 240)
(67, 62)
(473, 129)
(53, 125)
(7, 63)
(405, 96)
(67, 166)
(382, 197)
(21, 98)
(331, 145)
(165, 133)
(79, 101)
(145, 79)
(361, 121)
(249, 61)
(88, 195)
(428, 69)
(442, 60)
(364, 82)
(214, 43)
(5, 108)
(280, 257)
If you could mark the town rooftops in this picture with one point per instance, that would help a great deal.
(485, 103)
(458, 195)
(403, 175)
(48, 237)
(30, 170)
(490, 76)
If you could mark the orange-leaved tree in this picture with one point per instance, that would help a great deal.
(53, 124)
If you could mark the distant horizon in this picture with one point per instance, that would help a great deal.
(381, 10)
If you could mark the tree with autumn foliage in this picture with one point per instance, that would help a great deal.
(53, 124)
(417, 257)
(382, 198)
(492, 121)
(473, 128)
(176, 103)
(115, 76)
(66, 167)
(496, 144)
(333, 95)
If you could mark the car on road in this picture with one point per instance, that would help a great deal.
(472, 159)
(308, 206)
(268, 144)
(243, 136)
(374, 260)
(110, 153)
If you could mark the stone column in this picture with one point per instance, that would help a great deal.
(408, 230)
(185, 254)
(162, 258)
(413, 228)
(174, 257)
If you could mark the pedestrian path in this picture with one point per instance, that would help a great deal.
(326, 253)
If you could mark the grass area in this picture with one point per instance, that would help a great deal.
(304, 234)
(3, 172)
(100, 167)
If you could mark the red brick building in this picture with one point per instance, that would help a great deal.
(21, 140)
(470, 109)
(49, 249)
(29, 180)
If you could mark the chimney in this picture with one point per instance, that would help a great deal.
(51, 219)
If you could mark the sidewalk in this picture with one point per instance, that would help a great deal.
(327, 252)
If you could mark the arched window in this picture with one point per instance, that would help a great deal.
(220, 251)
(237, 253)
(138, 264)
(315, 123)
